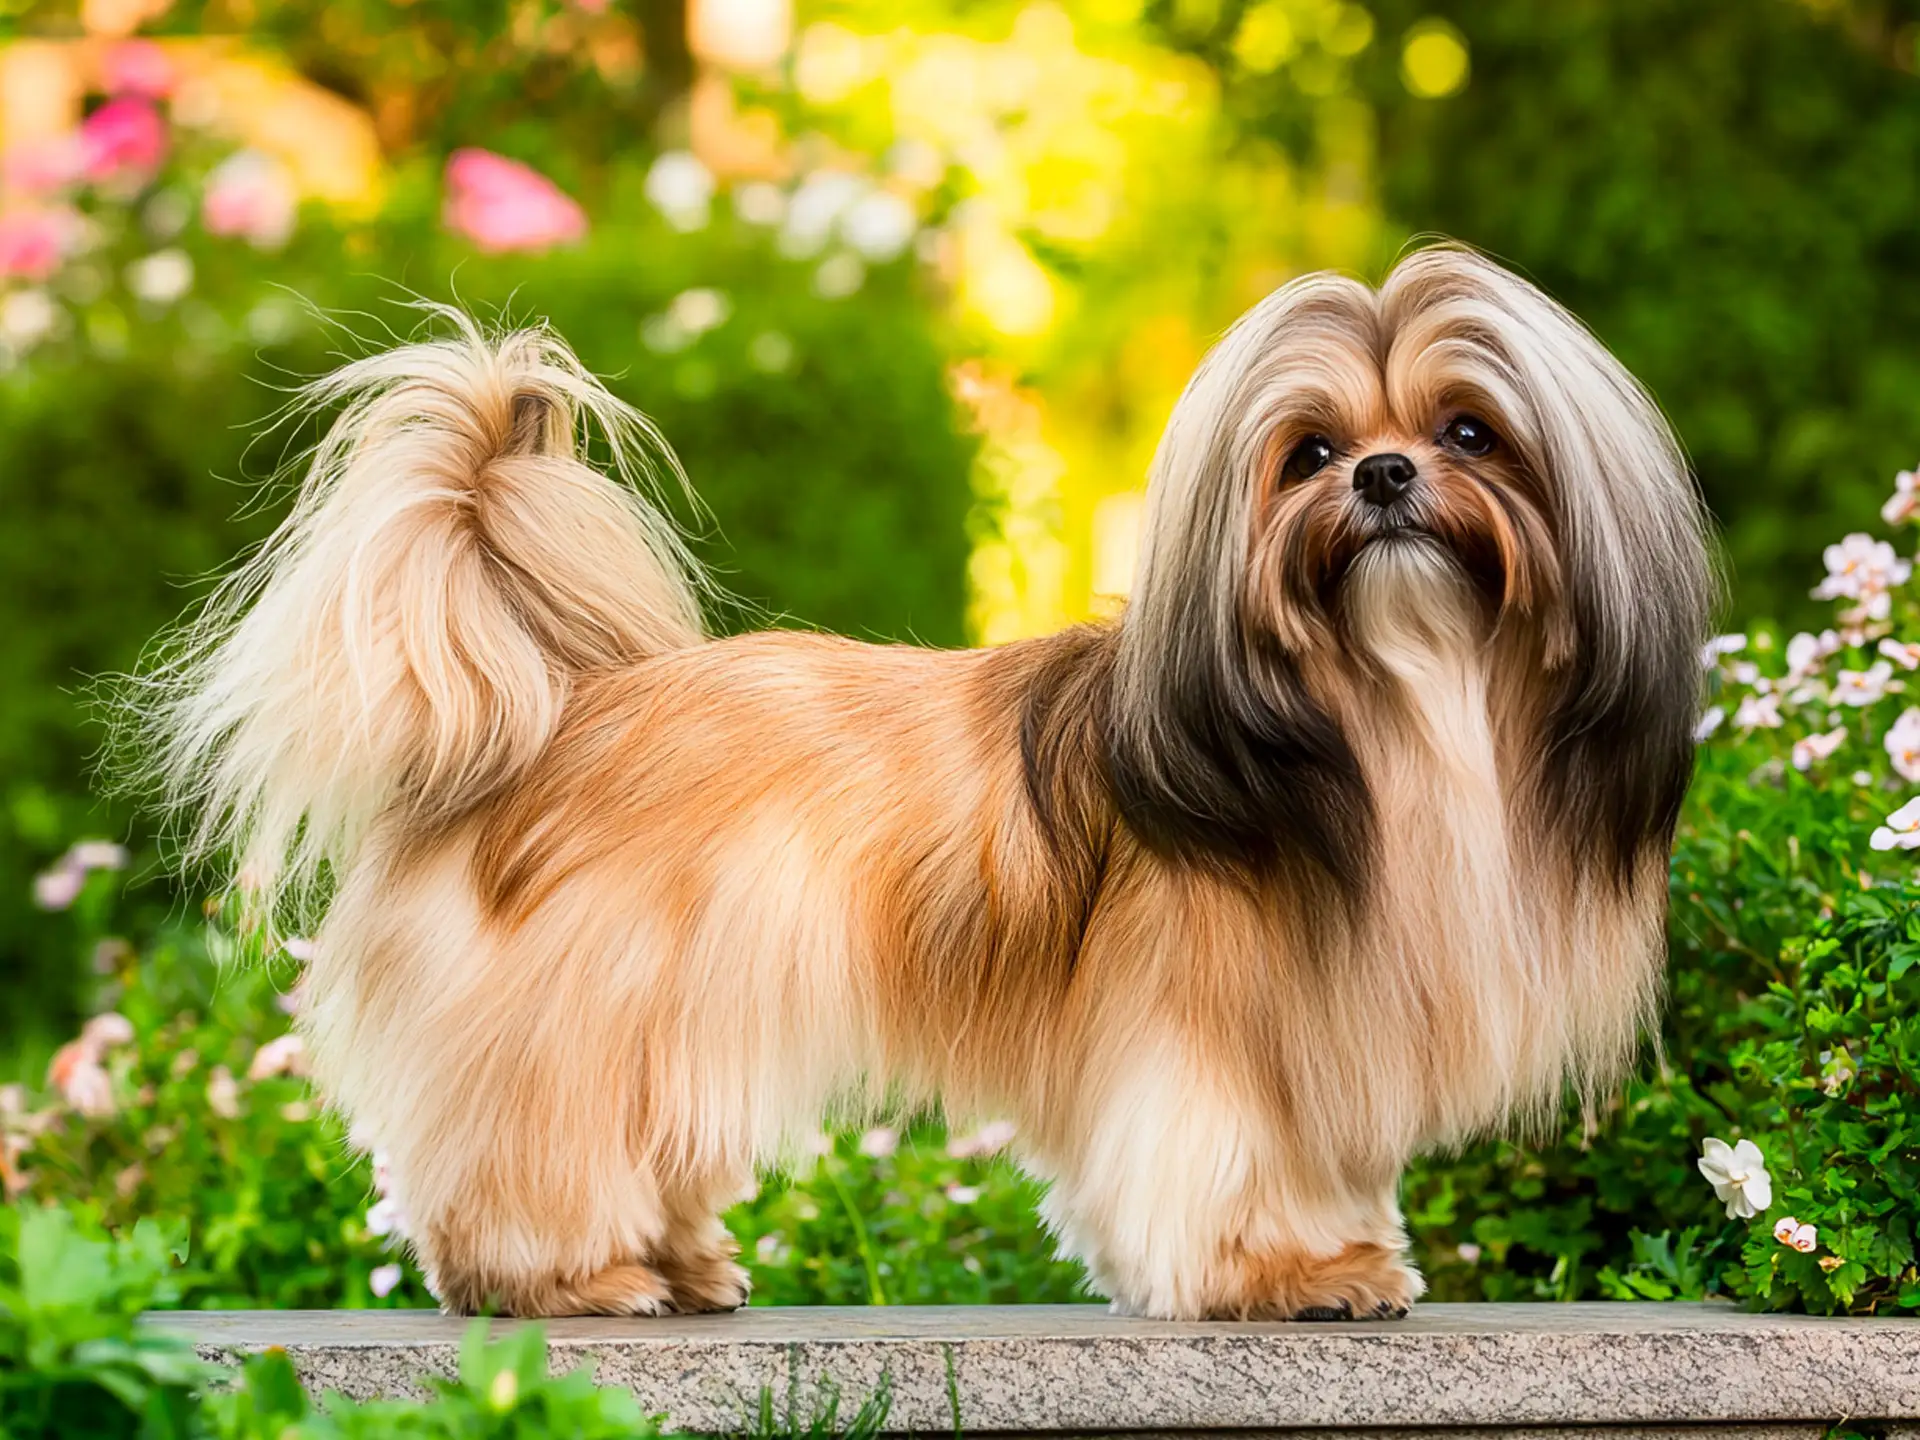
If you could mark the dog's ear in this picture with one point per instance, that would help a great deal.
(1216, 752)
(1223, 757)
(1616, 747)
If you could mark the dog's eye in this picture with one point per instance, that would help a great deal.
(1309, 457)
(1470, 435)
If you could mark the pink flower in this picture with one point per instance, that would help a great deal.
(59, 887)
(500, 204)
(251, 195)
(880, 1142)
(298, 948)
(33, 242)
(1862, 687)
(138, 67)
(44, 166)
(283, 1056)
(123, 138)
(1758, 712)
(385, 1279)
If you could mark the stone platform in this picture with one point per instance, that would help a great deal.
(1608, 1371)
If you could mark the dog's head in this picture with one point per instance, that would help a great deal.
(1455, 419)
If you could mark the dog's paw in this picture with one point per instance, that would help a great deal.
(1362, 1281)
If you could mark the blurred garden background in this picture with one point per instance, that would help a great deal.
(911, 288)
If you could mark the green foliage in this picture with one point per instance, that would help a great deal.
(72, 1362)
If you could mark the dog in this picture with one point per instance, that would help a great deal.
(1347, 839)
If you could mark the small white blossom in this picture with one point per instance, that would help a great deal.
(383, 1280)
(681, 189)
(1804, 1238)
(1817, 747)
(1469, 1252)
(1902, 830)
(1738, 1174)
(963, 1194)
(1862, 687)
(1709, 722)
(993, 1136)
(814, 211)
(1903, 745)
(1806, 653)
(27, 317)
(879, 226)
(105, 1032)
(162, 277)
(386, 1217)
(1720, 645)
(1860, 568)
(1904, 501)
(1903, 654)
(880, 1142)
(1758, 712)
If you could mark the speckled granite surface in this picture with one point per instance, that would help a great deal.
(1062, 1369)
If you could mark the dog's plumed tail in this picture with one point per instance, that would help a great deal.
(404, 643)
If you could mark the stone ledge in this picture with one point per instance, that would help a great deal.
(1666, 1371)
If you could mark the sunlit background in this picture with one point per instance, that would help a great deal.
(910, 286)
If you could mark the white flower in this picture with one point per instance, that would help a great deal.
(1859, 568)
(59, 887)
(1709, 722)
(1711, 652)
(1906, 656)
(1904, 501)
(1836, 1069)
(1469, 1252)
(1903, 745)
(766, 1248)
(1758, 712)
(1862, 687)
(681, 189)
(89, 1089)
(963, 1194)
(298, 948)
(1902, 830)
(27, 317)
(1817, 747)
(1805, 653)
(879, 226)
(382, 1280)
(1804, 1238)
(1738, 1174)
(815, 209)
(880, 1142)
(98, 855)
(162, 277)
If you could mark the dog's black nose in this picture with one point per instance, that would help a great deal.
(1383, 479)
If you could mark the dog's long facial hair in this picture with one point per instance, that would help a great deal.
(1348, 838)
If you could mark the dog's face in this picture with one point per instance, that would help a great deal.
(1454, 419)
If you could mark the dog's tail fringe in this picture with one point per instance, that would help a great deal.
(403, 645)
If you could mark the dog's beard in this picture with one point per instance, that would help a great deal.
(1413, 611)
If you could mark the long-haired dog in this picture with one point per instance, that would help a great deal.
(1348, 838)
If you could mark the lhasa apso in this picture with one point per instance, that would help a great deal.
(1348, 838)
